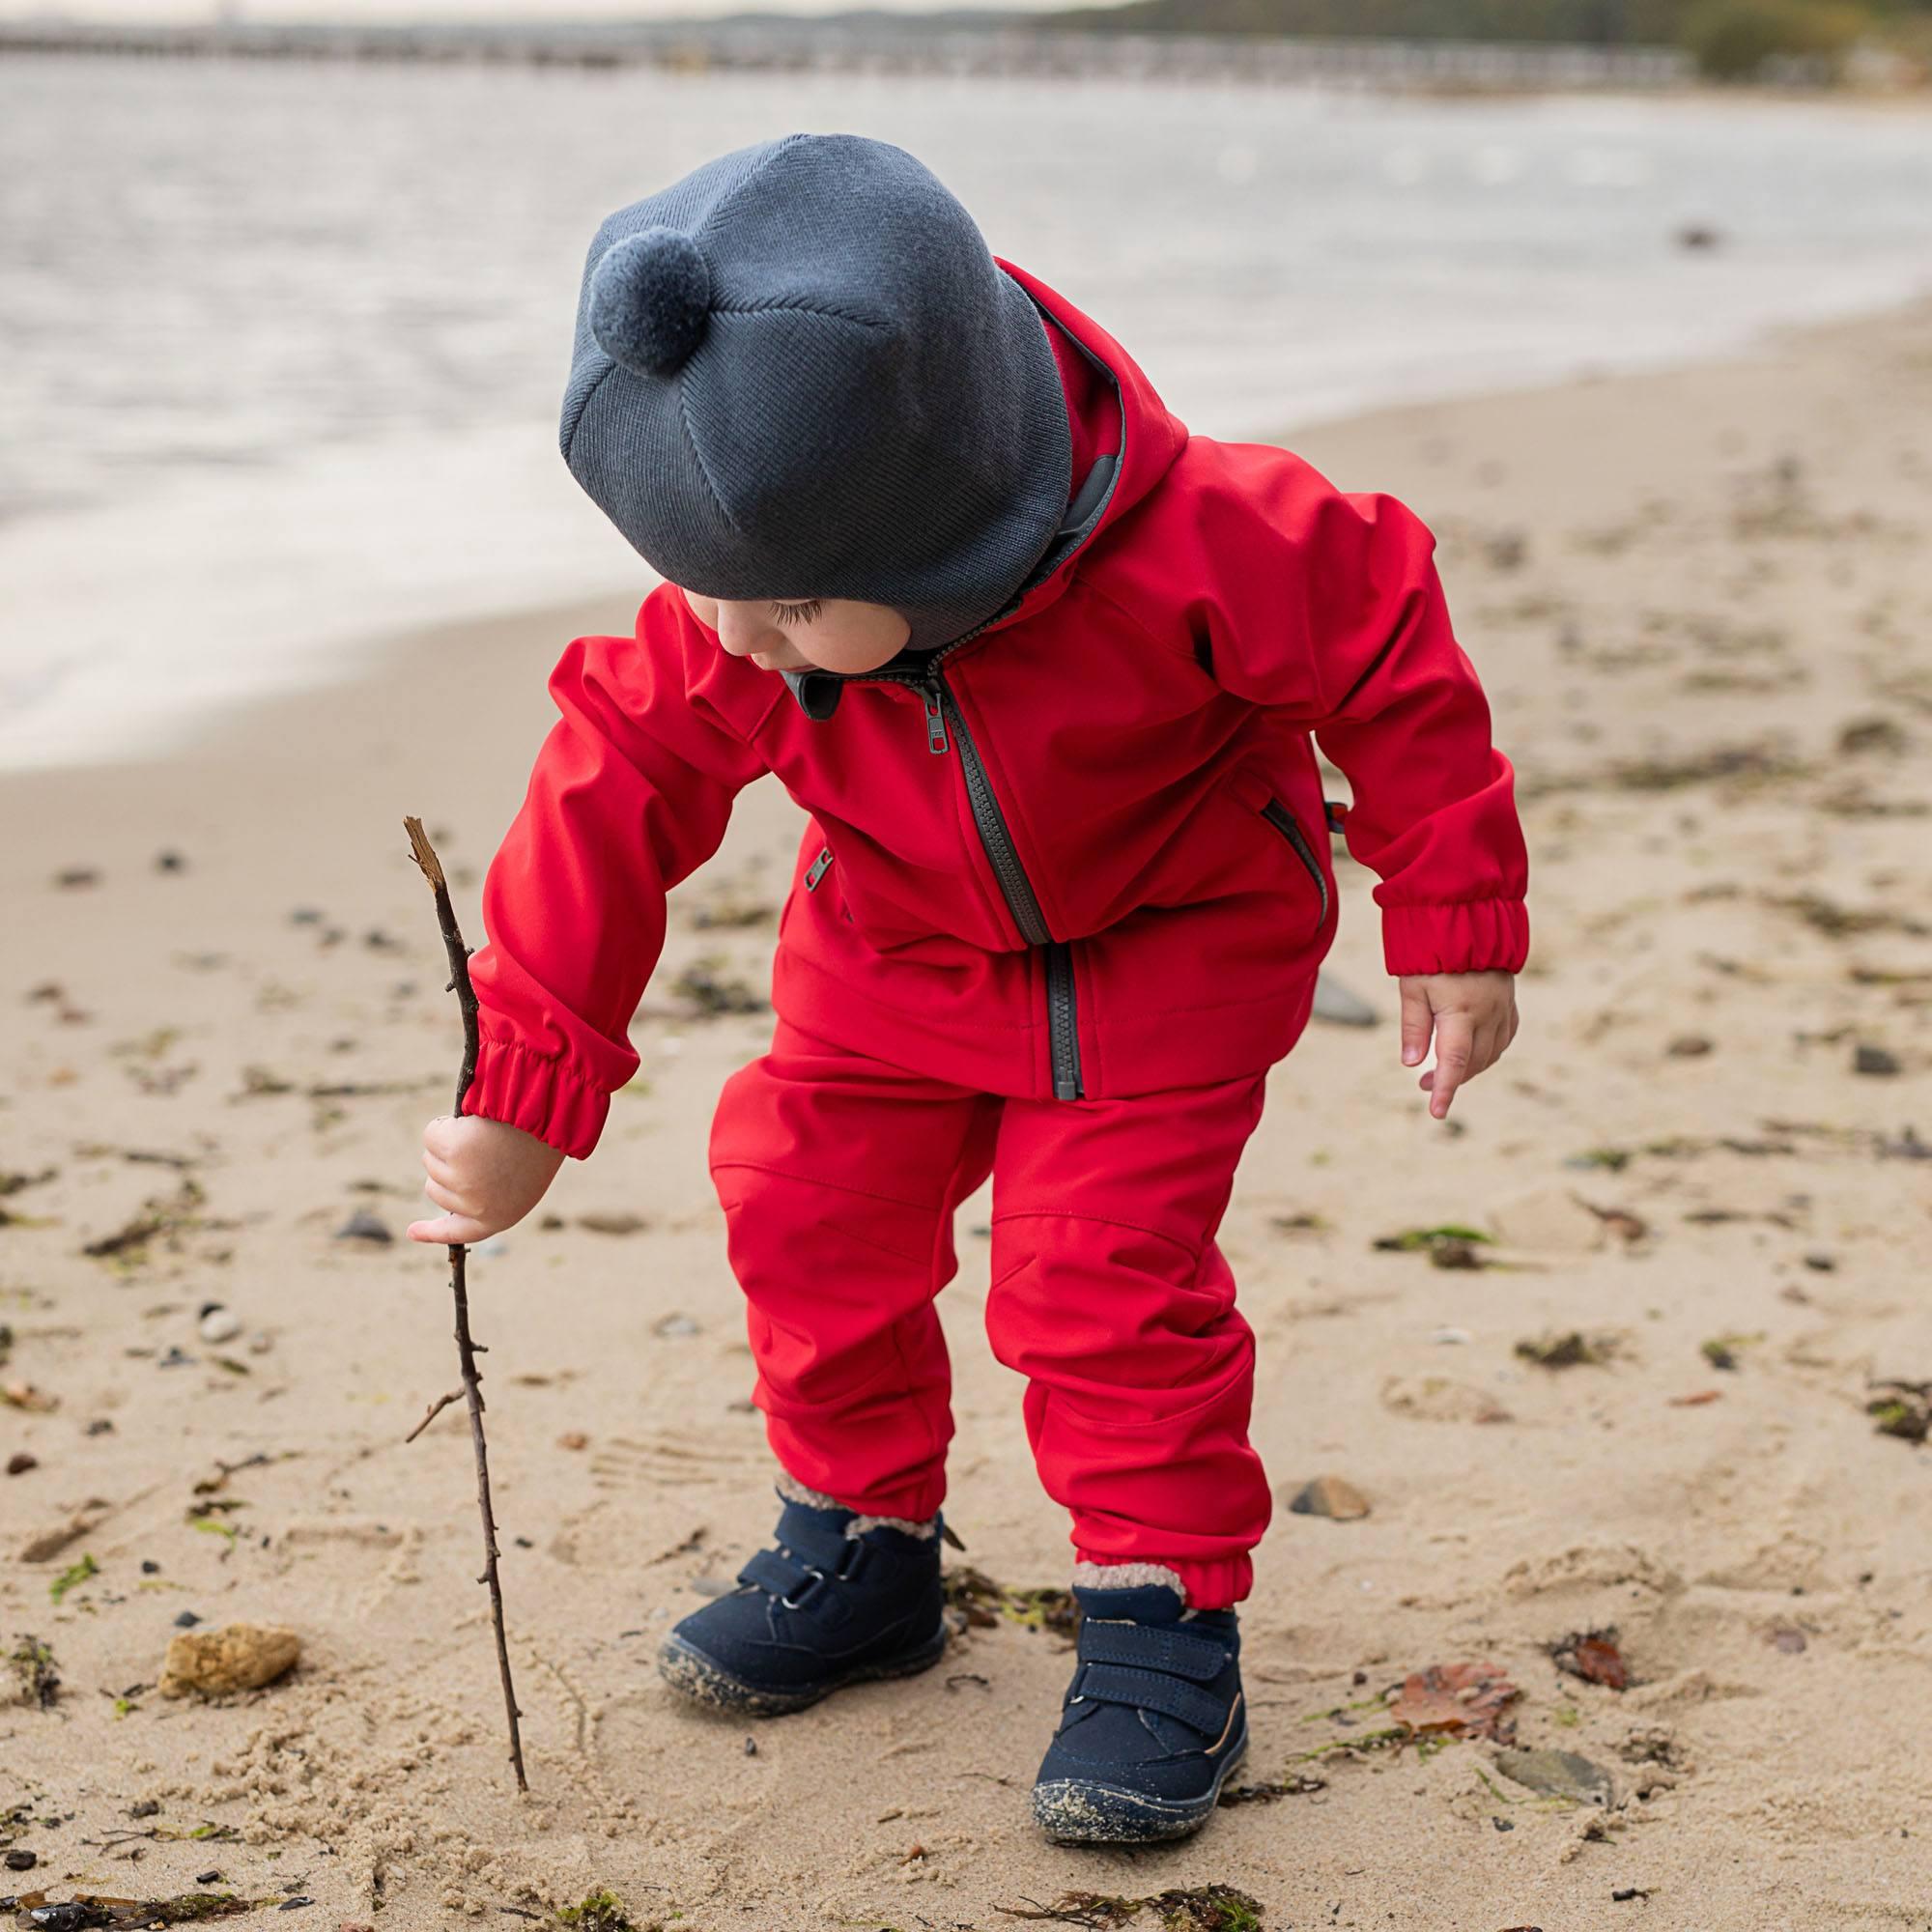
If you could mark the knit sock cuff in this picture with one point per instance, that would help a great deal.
(1128, 1577)
(795, 1492)
(1216, 1584)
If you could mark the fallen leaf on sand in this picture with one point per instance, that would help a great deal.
(1568, 1350)
(1903, 1410)
(1593, 1656)
(1447, 1247)
(1457, 1700)
(1696, 1399)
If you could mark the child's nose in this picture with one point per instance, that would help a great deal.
(742, 628)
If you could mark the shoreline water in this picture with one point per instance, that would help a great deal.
(331, 416)
(358, 650)
(154, 711)
(1700, 601)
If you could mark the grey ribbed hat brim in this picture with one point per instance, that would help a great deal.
(872, 409)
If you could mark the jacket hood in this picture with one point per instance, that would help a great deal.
(1150, 437)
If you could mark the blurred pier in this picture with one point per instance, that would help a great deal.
(994, 44)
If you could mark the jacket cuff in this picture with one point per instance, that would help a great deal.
(538, 1093)
(1471, 936)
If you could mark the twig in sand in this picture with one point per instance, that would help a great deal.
(431, 1414)
(466, 1350)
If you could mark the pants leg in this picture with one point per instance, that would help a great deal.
(1110, 1295)
(840, 1176)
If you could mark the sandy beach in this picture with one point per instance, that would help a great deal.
(1702, 602)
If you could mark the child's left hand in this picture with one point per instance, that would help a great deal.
(1473, 1018)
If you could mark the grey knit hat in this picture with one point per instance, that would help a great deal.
(800, 374)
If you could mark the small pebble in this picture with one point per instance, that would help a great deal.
(21, 1861)
(149, 1567)
(1330, 1497)
(173, 1359)
(19, 1462)
(1875, 1060)
(186, 1620)
(170, 861)
(750, 1747)
(1451, 1337)
(221, 1325)
(363, 1226)
(207, 1878)
(676, 1324)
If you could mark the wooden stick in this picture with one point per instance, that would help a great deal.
(467, 1350)
(431, 1414)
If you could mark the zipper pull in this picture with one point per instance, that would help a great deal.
(935, 720)
(820, 866)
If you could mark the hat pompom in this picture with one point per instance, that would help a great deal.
(649, 302)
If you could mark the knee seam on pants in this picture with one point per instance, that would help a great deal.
(1193, 1250)
(718, 1166)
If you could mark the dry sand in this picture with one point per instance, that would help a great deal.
(1703, 602)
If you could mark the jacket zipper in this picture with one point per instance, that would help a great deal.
(947, 729)
(1284, 821)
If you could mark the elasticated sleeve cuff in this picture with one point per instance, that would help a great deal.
(1472, 936)
(537, 1092)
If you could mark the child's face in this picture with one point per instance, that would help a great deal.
(828, 634)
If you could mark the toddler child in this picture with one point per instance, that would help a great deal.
(1044, 669)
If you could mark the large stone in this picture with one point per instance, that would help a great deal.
(1557, 1773)
(238, 1657)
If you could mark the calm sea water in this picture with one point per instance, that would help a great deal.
(281, 346)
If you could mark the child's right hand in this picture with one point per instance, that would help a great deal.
(484, 1175)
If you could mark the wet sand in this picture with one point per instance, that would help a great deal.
(1703, 605)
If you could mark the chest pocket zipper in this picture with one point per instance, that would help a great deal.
(1283, 820)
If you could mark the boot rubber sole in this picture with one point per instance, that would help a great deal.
(692, 1675)
(1089, 1812)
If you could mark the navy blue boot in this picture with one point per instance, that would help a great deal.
(824, 1609)
(1154, 1722)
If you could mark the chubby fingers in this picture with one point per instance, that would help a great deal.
(449, 1231)
(459, 1220)
(1456, 1041)
(1417, 1022)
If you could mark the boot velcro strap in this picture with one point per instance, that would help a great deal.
(809, 1540)
(778, 1574)
(1152, 1691)
(1180, 1653)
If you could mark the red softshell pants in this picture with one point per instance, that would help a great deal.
(840, 1176)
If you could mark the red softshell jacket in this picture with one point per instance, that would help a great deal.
(1082, 853)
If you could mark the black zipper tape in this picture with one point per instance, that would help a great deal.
(1283, 820)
